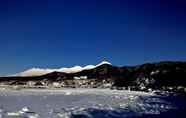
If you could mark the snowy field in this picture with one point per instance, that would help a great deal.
(88, 103)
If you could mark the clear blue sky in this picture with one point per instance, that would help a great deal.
(57, 33)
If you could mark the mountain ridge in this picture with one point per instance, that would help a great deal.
(163, 75)
(42, 71)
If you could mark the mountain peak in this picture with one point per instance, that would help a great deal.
(103, 62)
(42, 71)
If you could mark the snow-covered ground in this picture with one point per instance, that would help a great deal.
(86, 103)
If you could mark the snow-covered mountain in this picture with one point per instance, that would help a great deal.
(161, 75)
(42, 71)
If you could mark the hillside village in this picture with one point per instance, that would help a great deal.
(68, 83)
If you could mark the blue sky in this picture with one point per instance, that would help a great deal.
(58, 33)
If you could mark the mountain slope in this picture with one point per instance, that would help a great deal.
(162, 75)
(42, 71)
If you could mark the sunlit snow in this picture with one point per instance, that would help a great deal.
(42, 71)
(86, 103)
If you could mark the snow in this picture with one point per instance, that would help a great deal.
(103, 62)
(86, 103)
(42, 71)
(88, 67)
